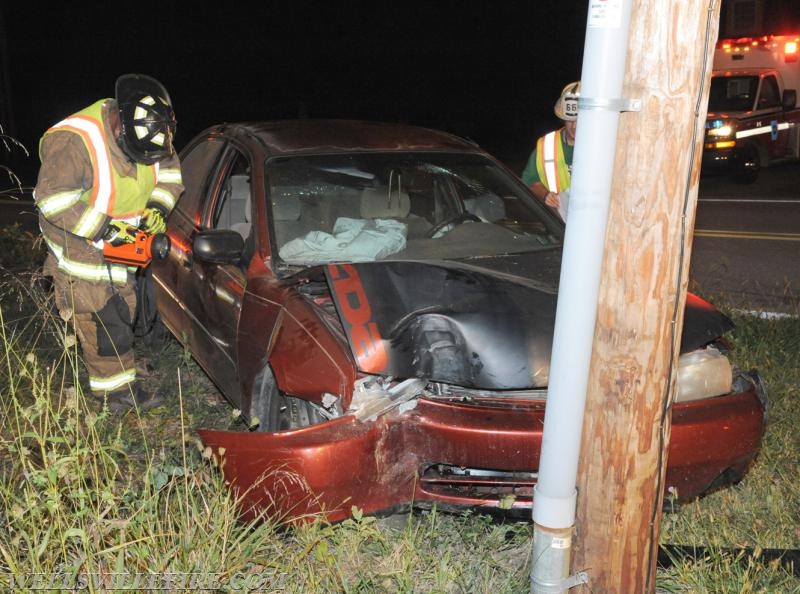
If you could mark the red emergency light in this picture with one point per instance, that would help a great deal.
(790, 50)
(790, 44)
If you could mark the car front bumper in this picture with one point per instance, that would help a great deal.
(458, 455)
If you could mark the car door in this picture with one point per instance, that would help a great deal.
(172, 277)
(217, 289)
(201, 301)
(775, 142)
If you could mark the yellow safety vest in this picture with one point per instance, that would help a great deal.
(550, 163)
(113, 194)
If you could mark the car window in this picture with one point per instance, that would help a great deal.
(770, 95)
(376, 206)
(196, 163)
(232, 208)
(732, 93)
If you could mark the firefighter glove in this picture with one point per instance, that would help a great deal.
(119, 232)
(153, 221)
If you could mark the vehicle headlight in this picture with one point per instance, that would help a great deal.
(721, 132)
(702, 374)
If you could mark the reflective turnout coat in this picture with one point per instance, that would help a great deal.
(86, 181)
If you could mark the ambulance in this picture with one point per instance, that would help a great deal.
(753, 115)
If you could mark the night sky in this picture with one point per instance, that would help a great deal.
(488, 71)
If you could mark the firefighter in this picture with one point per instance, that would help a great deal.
(547, 172)
(105, 171)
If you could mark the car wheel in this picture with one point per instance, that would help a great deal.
(272, 411)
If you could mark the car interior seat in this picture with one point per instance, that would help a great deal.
(240, 205)
(384, 203)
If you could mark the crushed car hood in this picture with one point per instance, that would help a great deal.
(483, 323)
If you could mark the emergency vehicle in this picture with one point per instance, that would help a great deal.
(753, 117)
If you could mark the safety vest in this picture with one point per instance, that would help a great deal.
(550, 162)
(112, 194)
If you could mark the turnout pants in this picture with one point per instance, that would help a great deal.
(102, 317)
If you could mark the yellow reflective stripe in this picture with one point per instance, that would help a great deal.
(90, 272)
(114, 382)
(58, 202)
(169, 176)
(103, 186)
(93, 273)
(89, 223)
(224, 295)
(164, 197)
(550, 161)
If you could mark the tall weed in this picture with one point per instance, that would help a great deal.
(86, 491)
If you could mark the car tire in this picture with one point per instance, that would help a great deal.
(272, 411)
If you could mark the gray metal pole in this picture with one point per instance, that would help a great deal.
(599, 108)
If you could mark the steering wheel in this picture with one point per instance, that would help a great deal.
(459, 218)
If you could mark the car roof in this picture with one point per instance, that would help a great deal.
(280, 137)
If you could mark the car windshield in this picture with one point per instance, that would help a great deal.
(395, 205)
(732, 93)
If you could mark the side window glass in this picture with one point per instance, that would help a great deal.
(195, 166)
(233, 209)
(770, 97)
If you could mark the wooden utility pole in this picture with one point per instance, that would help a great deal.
(642, 295)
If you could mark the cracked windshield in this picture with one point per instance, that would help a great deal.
(365, 207)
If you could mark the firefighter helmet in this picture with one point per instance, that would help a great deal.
(567, 105)
(146, 118)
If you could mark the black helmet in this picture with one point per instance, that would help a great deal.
(146, 116)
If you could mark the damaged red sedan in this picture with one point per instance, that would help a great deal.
(379, 300)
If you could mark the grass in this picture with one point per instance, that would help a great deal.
(763, 511)
(85, 491)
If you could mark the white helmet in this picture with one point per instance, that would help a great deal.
(567, 105)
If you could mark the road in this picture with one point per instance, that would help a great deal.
(746, 246)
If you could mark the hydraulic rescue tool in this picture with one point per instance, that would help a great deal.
(141, 251)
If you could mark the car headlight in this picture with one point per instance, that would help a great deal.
(702, 374)
(721, 132)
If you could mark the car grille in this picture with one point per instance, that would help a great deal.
(448, 481)
(442, 391)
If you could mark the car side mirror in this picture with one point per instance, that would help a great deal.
(789, 99)
(218, 246)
